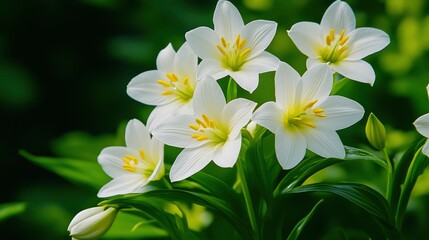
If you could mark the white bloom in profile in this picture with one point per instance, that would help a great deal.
(170, 88)
(92, 223)
(339, 43)
(304, 116)
(212, 133)
(422, 126)
(233, 48)
(134, 166)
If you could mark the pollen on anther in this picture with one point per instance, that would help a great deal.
(237, 40)
(310, 124)
(186, 80)
(172, 77)
(221, 50)
(318, 110)
(200, 122)
(164, 83)
(344, 40)
(142, 155)
(194, 126)
(245, 52)
(167, 92)
(332, 34)
(320, 115)
(206, 119)
(310, 104)
(223, 42)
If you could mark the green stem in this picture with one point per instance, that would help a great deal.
(247, 198)
(389, 186)
(166, 183)
(231, 92)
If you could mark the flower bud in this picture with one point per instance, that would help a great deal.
(375, 132)
(92, 223)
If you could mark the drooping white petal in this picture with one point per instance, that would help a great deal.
(308, 38)
(130, 183)
(358, 70)
(425, 148)
(286, 81)
(145, 89)
(157, 154)
(237, 114)
(191, 161)
(211, 67)
(162, 113)
(338, 16)
(110, 160)
(209, 99)
(227, 155)
(203, 42)
(324, 142)
(365, 41)
(247, 80)
(269, 116)
(176, 132)
(316, 83)
(185, 62)
(422, 125)
(165, 59)
(290, 147)
(136, 135)
(340, 113)
(264, 62)
(258, 35)
(227, 20)
(311, 62)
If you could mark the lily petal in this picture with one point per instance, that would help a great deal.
(311, 62)
(191, 161)
(227, 20)
(130, 183)
(338, 16)
(316, 83)
(165, 59)
(269, 116)
(246, 79)
(110, 160)
(324, 142)
(358, 70)
(286, 81)
(340, 113)
(203, 42)
(145, 89)
(185, 62)
(308, 38)
(136, 135)
(237, 114)
(365, 41)
(209, 98)
(290, 147)
(162, 113)
(264, 62)
(425, 148)
(258, 35)
(422, 125)
(211, 67)
(227, 155)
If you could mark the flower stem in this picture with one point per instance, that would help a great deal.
(247, 198)
(231, 92)
(389, 176)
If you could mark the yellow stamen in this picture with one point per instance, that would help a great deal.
(202, 137)
(167, 92)
(206, 119)
(200, 122)
(342, 34)
(297, 119)
(310, 124)
(194, 126)
(129, 168)
(223, 41)
(318, 110)
(126, 160)
(310, 104)
(172, 77)
(342, 49)
(332, 34)
(328, 41)
(164, 83)
(142, 155)
(344, 40)
(186, 80)
(241, 44)
(221, 50)
(237, 40)
(320, 115)
(131, 157)
(211, 124)
(245, 52)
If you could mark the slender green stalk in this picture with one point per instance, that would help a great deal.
(389, 186)
(231, 92)
(166, 183)
(247, 198)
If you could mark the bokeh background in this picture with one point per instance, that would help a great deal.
(64, 67)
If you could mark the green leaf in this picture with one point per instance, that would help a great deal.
(312, 165)
(338, 85)
(362, 196)
(231, 92)
(296, 231)
(417, 167)
(74, 170)
(8, 210)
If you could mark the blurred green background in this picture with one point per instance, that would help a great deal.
(64, 67)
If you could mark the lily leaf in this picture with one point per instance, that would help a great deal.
(301, 224)
(8, 210)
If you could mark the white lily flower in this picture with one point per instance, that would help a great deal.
(422, 126)
(92, 223)
(170, 88)
(134, 166)
(233, 48)
(336, 42)
(212, 133)
(305, 116)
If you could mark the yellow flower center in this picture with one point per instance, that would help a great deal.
(181, 88)
(142, 165)
(303, 116)
(206, 129)
(234, 55)
(335, 49)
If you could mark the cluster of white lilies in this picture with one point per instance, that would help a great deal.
(192, 113)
